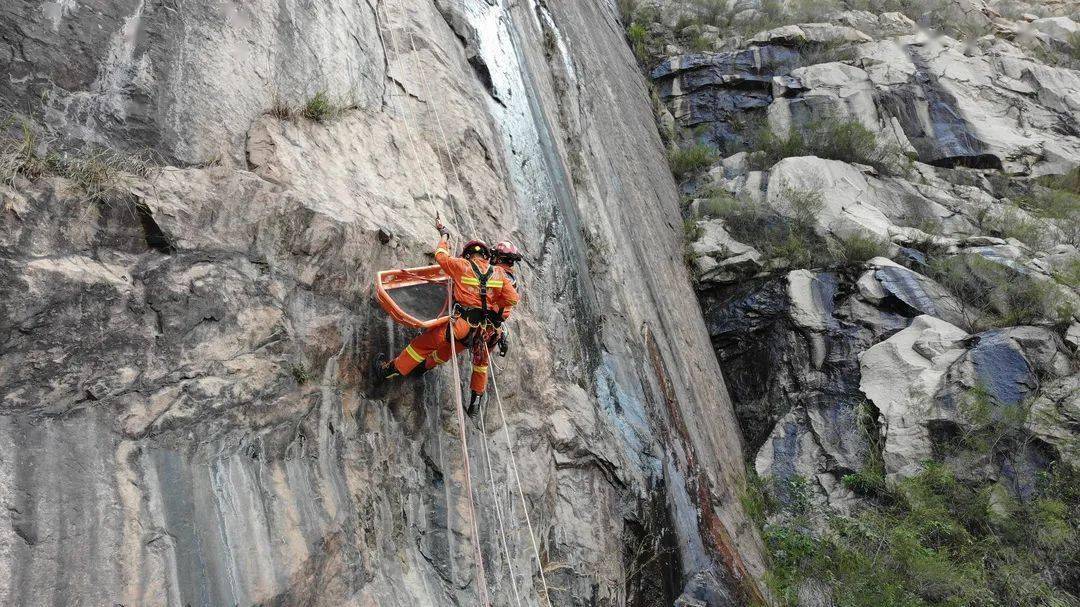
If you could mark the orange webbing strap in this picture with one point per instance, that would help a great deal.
(481, 577)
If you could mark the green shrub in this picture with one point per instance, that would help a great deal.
(802, 204)
(777, 237)
(20, 152)
(936, 544)
(857, 248)
(638, 37)
(756, 499)
(690, 160)
(319, 108)
(1070, 274)
(301, 374)
(993, 295)
(95, 173)
(719, 205)
(1011, 223)
(844, 140)
(1058, 201)
(865, 483)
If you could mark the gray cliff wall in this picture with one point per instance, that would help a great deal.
(186, 417)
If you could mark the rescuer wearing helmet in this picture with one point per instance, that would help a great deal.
(503, 255)
(483, 297)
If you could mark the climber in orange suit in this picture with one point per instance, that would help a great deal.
(483, 296)
(504, 255)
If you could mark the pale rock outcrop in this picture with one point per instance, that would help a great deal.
(186, 413)
(901, 376)
(1059, 29)
(1055, 415)
(810, 32)
(915, 290)
(828, 90)
(719, 258)
(851, 200)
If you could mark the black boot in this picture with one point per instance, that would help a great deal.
(474, 405)
(382, 370)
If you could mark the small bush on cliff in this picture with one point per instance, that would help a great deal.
(1069, 274)
(318, 108)
(1010, 222)
(638, 37)
(844, 140)
(22, 153)
(690, 160)
(991, 294)
(857, 248)
(788, 239)
(1057, 200)
(96, 173)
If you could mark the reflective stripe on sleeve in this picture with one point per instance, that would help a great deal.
(480, 369)
(412, 354)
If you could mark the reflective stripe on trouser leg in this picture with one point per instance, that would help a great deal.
(478, 382)
(442, 355)
(427, 343)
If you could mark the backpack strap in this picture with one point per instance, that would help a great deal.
(483, 278)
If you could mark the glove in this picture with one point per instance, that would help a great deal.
(503, 345)
(445, 233)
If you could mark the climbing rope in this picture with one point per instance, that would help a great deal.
(481, 577)
(408, 129)
(438, 122)
(517, 479)
(498, 503)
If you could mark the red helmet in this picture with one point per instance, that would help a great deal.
(505, 251)
(475, 247)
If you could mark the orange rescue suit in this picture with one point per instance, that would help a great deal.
(501, 296)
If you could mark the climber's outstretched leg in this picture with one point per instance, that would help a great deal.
(441, 355)
(419, 349)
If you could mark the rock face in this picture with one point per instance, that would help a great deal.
(186, 417)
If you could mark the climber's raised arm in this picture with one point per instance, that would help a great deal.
(442, 250)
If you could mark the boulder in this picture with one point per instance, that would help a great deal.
(822, 33)
(1054, 417)
(1060, 29)
(719, 258)
(919, 293)
(851, 205)
(900, 376)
